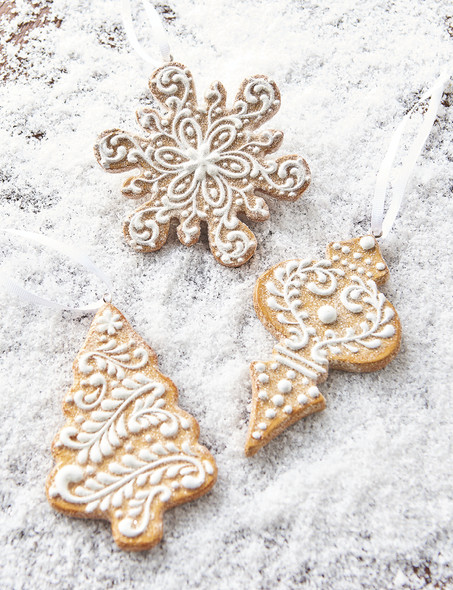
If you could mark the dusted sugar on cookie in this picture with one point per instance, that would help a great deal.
(127, 451)
(203, 163)
(326, 314)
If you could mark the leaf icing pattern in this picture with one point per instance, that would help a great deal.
(127, 452)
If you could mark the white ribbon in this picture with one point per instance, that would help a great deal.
(382, 224)
(157, 31)
(71, 252)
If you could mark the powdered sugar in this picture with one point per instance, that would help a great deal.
(357, 496)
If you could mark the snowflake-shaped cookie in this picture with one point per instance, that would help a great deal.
(203, 163)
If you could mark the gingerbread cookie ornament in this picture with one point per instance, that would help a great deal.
(127, 452)
(325, 314)
(203, 162)
(330, 314)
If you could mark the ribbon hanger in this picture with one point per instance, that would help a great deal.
(71, 252)
(381, 223)
(158, 33)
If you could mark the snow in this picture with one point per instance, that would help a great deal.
(358, 496)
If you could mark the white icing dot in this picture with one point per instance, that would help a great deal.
(345, 250)
(256, 435)
(278, 400)
(128, 447)
(305, 381)
(262, 425)
(360, 270)
(367, 242)
(344, 262)
(90, 470)
(118, 513)
(302, 399)
(353, 266)
(270, 413)
(175, 485)
(369, 274)
(260, 367)
(313, 391)
(263, 378)
(336, 246)
(69, 399)
(327, 314)
(79, 419)
(148, 438)
(335, 258)
(367, 260)
(284, 386)
(380, 266)
(239, 201)
(311, 331)
(288, 409)
(263, 396)
(291, 374)
(357, 255)
(274, 366)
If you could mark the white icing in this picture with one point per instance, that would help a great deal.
(263, 378)
(313, 391)
(260, 367)
(336, 246)
(263, 396)
(109, 322)
(327, 314)
(262, 425)
(367, 242)
(284, 386)
(380, 266)
(111, 414)
(278, 400)
(290, 293)
(274, 366)
(202, 164)
(346, 250)
(257, 435)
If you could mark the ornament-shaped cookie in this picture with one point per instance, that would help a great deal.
(127, 451)
(326, 314)
(203, 162)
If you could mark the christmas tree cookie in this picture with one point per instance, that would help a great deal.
(127, 452)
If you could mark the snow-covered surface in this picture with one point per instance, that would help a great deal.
(358, 496)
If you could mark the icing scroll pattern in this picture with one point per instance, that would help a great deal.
(203, 163)
(127, 452)
(326, 314)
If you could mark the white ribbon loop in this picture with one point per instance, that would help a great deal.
(382, 224)
(29, 297)
(158, 32)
